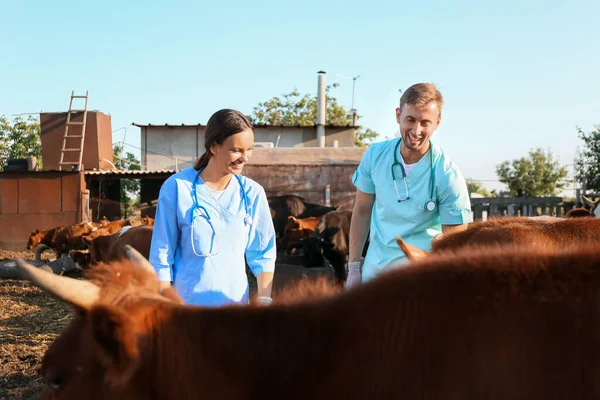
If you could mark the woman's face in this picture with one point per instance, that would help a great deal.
(234, 152)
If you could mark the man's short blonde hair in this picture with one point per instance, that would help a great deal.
(421, 94)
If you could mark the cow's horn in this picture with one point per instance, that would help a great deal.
(73, 291)
(137, 258)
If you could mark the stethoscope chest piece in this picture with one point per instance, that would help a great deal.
(430, 206)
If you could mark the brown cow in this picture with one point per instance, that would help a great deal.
(109, 229)
(105, 248)
(138, 237)
(296, 229)
(291, 205)
(98, 247)
(329, 241)
(47, 238)
(70, 238)
(579, 212)
(504, 323)
(592, 205)
(137, 221)
(551, 232)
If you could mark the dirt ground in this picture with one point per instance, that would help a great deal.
(29, 322)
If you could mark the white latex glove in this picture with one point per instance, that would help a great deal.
(263, 300)
(354, 275)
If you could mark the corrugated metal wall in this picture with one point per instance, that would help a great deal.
(37, 200)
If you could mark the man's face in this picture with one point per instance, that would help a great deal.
(417, 125)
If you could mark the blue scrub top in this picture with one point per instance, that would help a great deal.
(408, 219)
(221, 278)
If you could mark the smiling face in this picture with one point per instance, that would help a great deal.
(235, 151)
(417, 124)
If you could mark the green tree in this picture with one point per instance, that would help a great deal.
(19, 139)
(477, 187)
(295, 109)
(537, 175)
(130, 188)
(587, 162)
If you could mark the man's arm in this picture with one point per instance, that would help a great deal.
(360, 224)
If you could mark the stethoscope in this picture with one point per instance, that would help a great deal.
(206, 215)
(430, 205)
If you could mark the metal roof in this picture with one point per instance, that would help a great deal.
(255, 126)
(129, 172)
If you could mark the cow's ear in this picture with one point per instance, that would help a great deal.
(115, 343)
(293, 222)
(413, 253)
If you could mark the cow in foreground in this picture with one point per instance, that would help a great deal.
(505, 323)
(551, 232)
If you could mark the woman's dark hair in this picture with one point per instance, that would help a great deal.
(220, 126)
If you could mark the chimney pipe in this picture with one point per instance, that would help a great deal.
(321, 110)
(354, 117)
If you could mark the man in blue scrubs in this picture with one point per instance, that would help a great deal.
(406, 187)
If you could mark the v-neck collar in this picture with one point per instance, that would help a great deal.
(420, 167)
(223, 202)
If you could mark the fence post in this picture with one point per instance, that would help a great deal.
(477, 211)
(85, 206)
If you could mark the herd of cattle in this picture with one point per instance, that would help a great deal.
(317, 234)
(507, 309)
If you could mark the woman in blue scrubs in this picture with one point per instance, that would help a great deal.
(406, 187)
(210, 220)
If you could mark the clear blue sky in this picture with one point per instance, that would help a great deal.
(515, 74)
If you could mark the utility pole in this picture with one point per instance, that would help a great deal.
(353, 86)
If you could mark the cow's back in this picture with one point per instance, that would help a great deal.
(495, 323)
(524, 231)
(138, 237)
(500, 323)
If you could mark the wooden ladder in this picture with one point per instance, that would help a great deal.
(75, 165)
